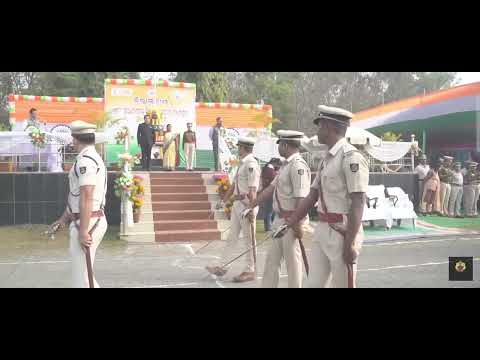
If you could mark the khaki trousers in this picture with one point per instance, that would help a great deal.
(288, 248)
(239, 226)
(79, 264)
(190, 155)
(327, 267)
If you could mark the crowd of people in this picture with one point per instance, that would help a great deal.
(448, 189)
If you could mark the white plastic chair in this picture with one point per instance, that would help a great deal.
(401, 206)
(377, 207)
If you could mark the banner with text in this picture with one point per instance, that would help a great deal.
(127, 103)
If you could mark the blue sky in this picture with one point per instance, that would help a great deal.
(468, 77)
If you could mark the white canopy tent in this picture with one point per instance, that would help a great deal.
(384, 151)
(359, 136)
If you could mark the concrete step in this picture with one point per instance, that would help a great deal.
(185, 225)
(147, 206)
(181, 205)
(183, 215)
(139, 237)
(179, 197)
(161, 189)
(177, 181)
(142, 226)
(187, 235)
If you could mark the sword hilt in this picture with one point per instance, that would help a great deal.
(280, 232)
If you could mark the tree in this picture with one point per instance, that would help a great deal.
(214, 87)
(359, 90)
(211, 86)
(10, 83)
(81, 84)
(273, 88)
(54, 84)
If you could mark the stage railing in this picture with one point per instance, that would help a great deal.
(405, 164)
(21, 156)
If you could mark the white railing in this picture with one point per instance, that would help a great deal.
(20, 154)
(405, 164)
(24, 155)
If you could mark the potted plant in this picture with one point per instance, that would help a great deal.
(223, 184)
(136, 197)
(37, 137)
(137, 204)
(133, 188)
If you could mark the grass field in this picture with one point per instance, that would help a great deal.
(467, 223)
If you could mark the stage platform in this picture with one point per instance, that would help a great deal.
(40, 197)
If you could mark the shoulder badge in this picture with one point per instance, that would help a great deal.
(301, 172)
(83, 170)
(354, 167)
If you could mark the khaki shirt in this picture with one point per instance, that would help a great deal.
(189, 137)
(343, 171)
(293, 181)
(451, 176)
(248, 175)
(477, 178)
(443, 174)
(88, 169)
(469, 177)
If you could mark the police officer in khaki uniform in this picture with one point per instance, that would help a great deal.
(244, 191)
(476, 187)
(340, 186)
(444, 175)
(86, 201)
(456, 192)
(469, 188)
(422, 170)
(189, 146)
(288, 189)
(449, 180)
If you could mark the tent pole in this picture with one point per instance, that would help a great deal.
(412, 155)
(424, 141)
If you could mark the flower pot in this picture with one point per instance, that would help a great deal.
(7, 167)
(136, 216)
